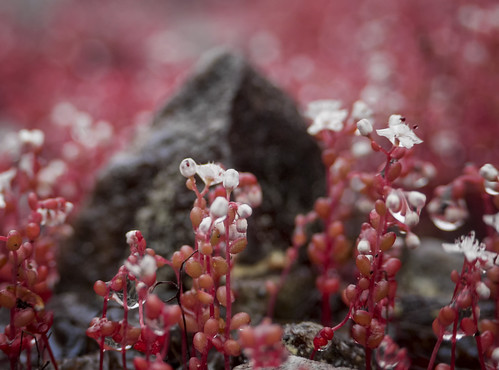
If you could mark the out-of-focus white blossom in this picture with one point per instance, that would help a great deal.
(361, 110)
(35, 137)
(482, 290)
(489, 172)
(145, 267)
(412, 241)
(326, 115)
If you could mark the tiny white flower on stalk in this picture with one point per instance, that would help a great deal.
(492, 220)
(489, 172)
(244, 211)
(326, 115)
(365, 127)
(399, 133)
(482, 290)
(210, 173)
(219, 207)
(364, 247)
(188, 167)
(231, 179)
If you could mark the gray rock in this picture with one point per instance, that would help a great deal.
(295, 362)
(226, 112)
(340, 352)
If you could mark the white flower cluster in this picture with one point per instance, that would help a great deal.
(55, 217)
(473, 251)
(210, 173)
(6, 178)
(328, 115)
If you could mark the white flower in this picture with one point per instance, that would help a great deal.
(231, 179)
(210, 173)
(361, 110)
(34, 138)
(399, 133)
(472, 249)
(365, 127)
(187, 167)
(489, 172)
(326, 115)
(492, 220)
(316, 107)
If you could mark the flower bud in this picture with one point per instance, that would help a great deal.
(187, 167)
(365, 127)
(364, 247)
(231, 179)
(244, 211)
(393, 202)
(482, 290)
(219, 207)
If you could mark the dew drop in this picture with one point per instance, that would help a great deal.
(111, 345)
(132, 298)
(447, 215)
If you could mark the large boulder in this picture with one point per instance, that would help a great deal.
(228, 113)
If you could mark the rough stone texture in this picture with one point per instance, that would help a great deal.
(295, 362)
(226, 112)
(340, 353)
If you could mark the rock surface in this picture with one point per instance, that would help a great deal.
(228, 113)
(295, 362)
